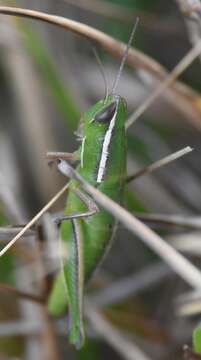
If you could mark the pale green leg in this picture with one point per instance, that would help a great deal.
(58, 300)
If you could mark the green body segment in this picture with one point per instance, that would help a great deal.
(197, 340)
(87, 240)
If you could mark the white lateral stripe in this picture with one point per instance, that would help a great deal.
(82, 152)
(106, 143)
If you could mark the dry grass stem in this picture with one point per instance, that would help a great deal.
(181, 95)
(158, 164)
(34, 220)
(183, 64)
(7, 233)
(190, 309)
(188, 243)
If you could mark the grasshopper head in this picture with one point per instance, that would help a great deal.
(99, 117)
(103, 132)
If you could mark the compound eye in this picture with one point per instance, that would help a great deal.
(106, 114)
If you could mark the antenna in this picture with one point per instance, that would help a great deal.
(125, 56)
(101, 71)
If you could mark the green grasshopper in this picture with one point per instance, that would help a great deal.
(86, 231)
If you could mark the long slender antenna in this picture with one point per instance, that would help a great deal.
(125, 56)
(101, 71)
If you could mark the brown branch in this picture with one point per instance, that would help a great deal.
(116, 48)
(179, 94)
(182, 65)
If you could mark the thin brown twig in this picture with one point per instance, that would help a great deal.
(158, 164)
(53, 155)
(179, 94)
(135, 58)
(183, 64)
(34, 220)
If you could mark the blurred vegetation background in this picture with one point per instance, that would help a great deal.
(48, 77)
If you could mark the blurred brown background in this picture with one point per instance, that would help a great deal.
(48, 77)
